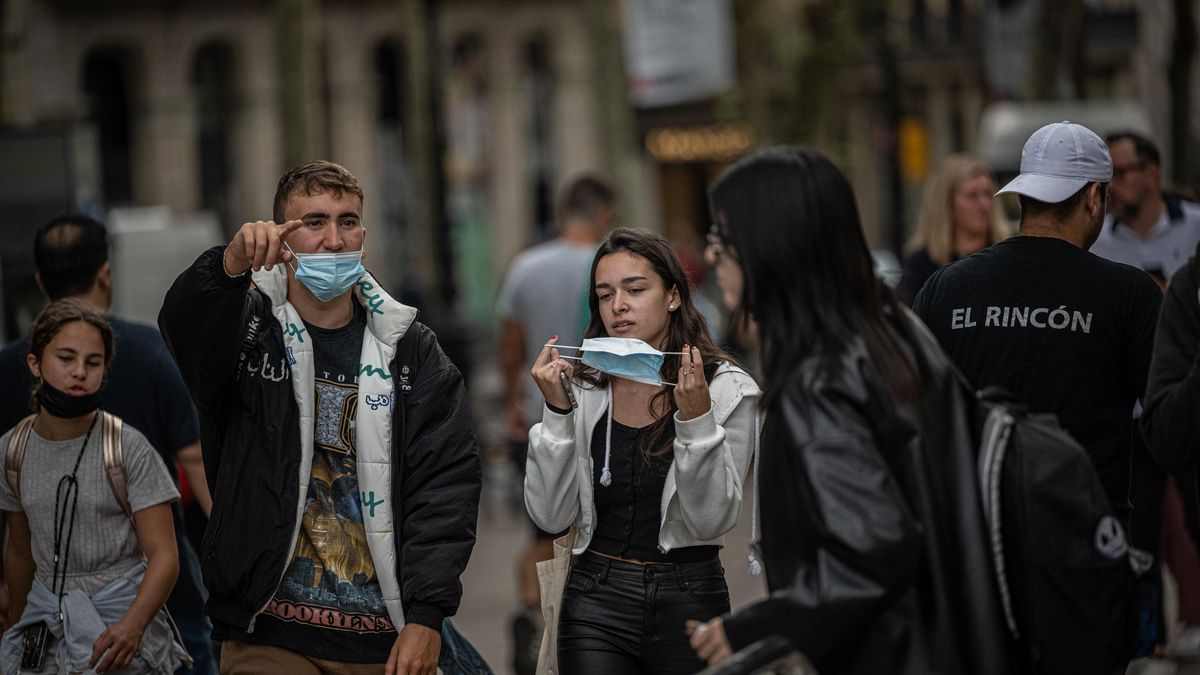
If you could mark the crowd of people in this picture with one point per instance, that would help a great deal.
(331, 440)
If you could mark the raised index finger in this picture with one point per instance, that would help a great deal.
(289, 227)
(697, 360)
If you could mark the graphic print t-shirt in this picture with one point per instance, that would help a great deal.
(1066, 331)
(328, 604)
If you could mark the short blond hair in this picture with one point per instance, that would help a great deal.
(935, 224)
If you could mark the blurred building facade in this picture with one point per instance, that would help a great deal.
(202, 104)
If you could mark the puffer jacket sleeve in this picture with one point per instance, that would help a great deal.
(201, 323)
(551, 476)
(865, 546)
(439, 481)
(1170, 422)
(711, 459)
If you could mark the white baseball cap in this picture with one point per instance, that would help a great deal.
(1058, 160)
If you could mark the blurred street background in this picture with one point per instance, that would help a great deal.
(172, 120)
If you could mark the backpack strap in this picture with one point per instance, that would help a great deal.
(111, 428)
(14, 454)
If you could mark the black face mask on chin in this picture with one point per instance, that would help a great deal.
(62, 404)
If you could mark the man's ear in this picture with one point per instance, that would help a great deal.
(104, 277)
(37, 276)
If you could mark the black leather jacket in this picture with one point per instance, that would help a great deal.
(873, 534)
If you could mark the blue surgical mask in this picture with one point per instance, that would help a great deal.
(627, 358)
(328, 275)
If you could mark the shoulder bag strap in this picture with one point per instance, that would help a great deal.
(14, 454)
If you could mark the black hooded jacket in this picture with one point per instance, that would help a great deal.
(250, 428)
(873, 536)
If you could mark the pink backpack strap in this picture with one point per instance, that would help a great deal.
(111, 428)
(14, 454)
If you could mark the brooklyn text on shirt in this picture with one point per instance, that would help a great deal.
(1053, 318)
(326, 617)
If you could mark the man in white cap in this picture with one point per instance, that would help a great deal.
(1066, 331)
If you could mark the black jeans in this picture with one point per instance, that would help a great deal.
(622, 617)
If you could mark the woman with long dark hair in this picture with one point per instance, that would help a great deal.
(872, 534)
(648, 474)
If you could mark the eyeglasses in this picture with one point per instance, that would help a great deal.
(718, 242)
(1120, 172)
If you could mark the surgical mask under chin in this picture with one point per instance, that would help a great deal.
(627, 358)
(328, 275)
(61, 404)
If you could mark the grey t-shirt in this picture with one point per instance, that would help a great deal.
(104, 545)
(544, 292)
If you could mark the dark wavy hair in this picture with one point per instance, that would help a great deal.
(792, 221)
(684, 326)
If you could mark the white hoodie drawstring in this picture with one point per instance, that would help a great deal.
(605, 474)
(755, 565)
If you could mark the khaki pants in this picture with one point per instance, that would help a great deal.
(242, 658)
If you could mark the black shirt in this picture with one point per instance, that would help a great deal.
(328, 604)
(629, 510)
(1068, 332)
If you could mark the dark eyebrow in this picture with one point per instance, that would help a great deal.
(626, 280)
(314, 214)
(348, 214)
(68, 350)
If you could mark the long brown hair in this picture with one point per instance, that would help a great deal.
(684, 326)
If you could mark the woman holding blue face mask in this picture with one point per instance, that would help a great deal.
(642, 450)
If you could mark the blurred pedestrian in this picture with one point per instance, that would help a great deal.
(649, 476)
(544, 294)
(346, 471)
(142, 387)
(89, 564)
(1145, 227)
(958, 217)
(872, 534)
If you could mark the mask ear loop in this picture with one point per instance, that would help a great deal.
(294, 257)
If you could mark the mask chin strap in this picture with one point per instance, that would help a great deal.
(605, 473)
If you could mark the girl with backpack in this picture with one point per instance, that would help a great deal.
(91, 555)
(647, 475)
(873, 538)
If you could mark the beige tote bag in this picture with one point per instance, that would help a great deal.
(552, 579)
